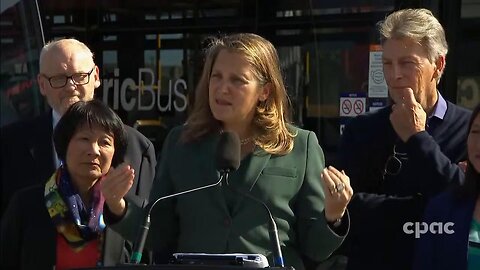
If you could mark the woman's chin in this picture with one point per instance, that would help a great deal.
(220, 116)
(94, 175)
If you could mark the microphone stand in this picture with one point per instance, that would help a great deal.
(142, 234)
(272, 228)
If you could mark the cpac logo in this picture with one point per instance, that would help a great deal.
(423, 228)
(147, 91)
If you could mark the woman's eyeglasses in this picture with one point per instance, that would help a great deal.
(394, 163)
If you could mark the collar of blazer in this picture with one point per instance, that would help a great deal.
(257, 163)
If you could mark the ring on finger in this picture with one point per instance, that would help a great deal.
(339, 187)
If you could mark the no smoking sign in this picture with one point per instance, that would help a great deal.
(352, 106)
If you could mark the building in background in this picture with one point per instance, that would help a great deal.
(150, 53)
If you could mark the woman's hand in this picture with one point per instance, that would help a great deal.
(338, 192)
(116, 183)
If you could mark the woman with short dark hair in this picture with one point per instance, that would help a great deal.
(60, 224)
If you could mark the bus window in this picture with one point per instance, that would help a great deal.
(21, 40)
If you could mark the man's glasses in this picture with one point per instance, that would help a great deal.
(60, 81)
(394, 163)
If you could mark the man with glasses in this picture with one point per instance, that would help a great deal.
(401, 155)
(59, 81)
(67, 74)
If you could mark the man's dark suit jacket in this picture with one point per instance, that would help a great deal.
(381, 206)
(27, 158)
(30, 238)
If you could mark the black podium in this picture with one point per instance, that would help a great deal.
(181, 267)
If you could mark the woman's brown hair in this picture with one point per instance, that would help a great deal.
(271, 116)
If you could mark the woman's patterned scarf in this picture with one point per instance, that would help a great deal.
(74, 220)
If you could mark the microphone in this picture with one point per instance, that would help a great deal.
(228, 154)
(228, 160)
(272, 231)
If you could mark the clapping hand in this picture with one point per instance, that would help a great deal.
(116, 183)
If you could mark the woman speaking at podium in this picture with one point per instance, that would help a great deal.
(241, 90)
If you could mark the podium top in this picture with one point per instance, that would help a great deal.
(181, 267)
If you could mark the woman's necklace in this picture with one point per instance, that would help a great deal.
(246, 141)
(247, 146)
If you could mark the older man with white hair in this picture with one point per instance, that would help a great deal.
(401, 155)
